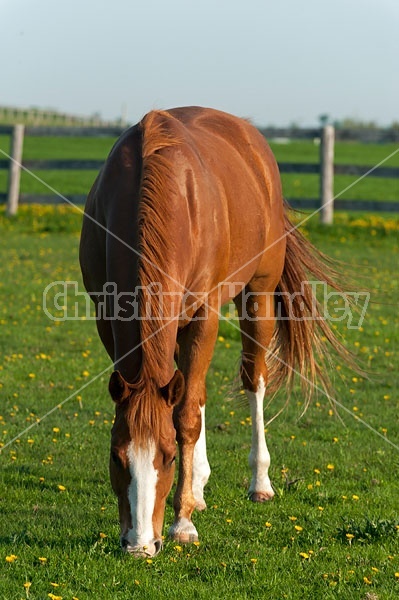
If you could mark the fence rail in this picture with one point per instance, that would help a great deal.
(325, 169)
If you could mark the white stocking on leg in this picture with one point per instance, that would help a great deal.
(260, 489)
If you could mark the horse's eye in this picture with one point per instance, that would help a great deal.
(172, 461)
(115, 458)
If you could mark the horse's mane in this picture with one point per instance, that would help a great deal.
(155, 245)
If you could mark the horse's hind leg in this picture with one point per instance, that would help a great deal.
(256, 310)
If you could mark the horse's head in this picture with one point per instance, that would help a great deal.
(142, 461)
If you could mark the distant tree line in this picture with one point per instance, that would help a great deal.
(36, 116)
(353, 123)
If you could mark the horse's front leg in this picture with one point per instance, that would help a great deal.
(188, 425)
(196, 345)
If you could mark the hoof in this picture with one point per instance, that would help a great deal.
(261, 496)
(184, 538)
(183, 531)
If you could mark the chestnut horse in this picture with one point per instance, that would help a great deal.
(186, 214)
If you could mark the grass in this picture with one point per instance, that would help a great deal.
(332, 530)
(307, 186)
(295, 185)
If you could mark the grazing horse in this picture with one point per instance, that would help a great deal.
(186, 214)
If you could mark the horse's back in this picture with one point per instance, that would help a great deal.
(223, 197)
(233, 193)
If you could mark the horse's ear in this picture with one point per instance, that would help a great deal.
(118, 387)
(174, 390)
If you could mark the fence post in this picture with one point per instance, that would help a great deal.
(14, 173)
(327, 175)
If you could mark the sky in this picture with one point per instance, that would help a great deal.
(275, 62)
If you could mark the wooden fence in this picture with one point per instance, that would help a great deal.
(325, 168)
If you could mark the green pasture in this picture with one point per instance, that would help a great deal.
(295, 185)
(332, 530)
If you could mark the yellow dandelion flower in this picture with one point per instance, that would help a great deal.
(103, 535)
(292, 518)
(197, 544)
(267, 524)
(367, 580)
(31, 375)
(136, 582)
(350, 536)
(355, 497)
(254, 560)
(27, 585)
(304, 555)
(11, 558)
(42, 559)
(62, 488)
(330, 467)
(229, 520)
(149, 561)
(178, 548)
(298, 528)
(56, 429)
(397, 575)
(54, 584)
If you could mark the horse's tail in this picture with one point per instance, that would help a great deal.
(300, 342)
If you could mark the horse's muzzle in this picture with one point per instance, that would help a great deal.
(142, 551)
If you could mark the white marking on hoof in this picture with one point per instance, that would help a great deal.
(260, 488)
(183, 530)
(260, 496)
(201, 468)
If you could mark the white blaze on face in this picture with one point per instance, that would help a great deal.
(142, 494)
